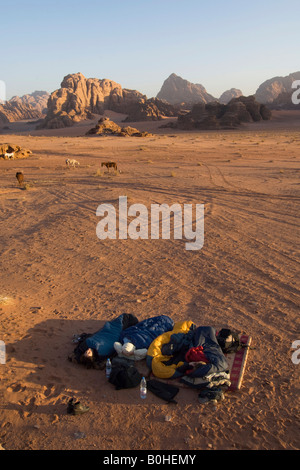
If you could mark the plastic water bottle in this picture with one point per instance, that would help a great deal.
(2, 352)
(143, 388)
(108, 368)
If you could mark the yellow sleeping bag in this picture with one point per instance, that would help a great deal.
(155, 358)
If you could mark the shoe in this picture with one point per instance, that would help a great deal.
(214, 394)
(76, 408)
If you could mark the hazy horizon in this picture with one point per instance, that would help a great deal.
(219, 46)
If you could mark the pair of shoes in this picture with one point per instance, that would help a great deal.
(213, 394)
(76, 408)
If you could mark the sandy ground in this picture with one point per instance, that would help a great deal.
(59, 279)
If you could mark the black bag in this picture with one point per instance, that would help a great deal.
(124, 374)
(228, 340)
(162, 390)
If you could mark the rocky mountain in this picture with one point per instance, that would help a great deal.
(3, 118)
(284, 101)
(31, 106)
(229, 94)
(271, 89)
(175, 90)
(37, 100)
(17, 111)
(151, 109)
(216, 115)
(81, 98)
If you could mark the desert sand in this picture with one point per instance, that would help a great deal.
(59, 279)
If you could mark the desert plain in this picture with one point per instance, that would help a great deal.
(59, 279)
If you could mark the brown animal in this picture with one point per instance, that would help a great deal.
(110, 165)
(20, 177)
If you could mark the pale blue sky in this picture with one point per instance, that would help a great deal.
(220, 44)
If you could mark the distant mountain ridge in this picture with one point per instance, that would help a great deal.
(37, 100)
(29, 106)
(176, 90)
(228, 95)
(81, 98)
(277, 91)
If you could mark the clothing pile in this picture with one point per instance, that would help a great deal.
(194, 355)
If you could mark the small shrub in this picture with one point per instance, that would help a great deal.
(98, 172)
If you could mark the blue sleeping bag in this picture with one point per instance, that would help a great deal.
(143, 333)
(103, 340)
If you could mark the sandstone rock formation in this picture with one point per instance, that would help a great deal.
(3, 118)
(229, 95)
(30, 106)
(176, 90)
(80, 98)
(37, 100)
(106, 127)
(151, 109)
(271, 89)
(9, 151)
(17, 111)
(284, 101)
(220, 116)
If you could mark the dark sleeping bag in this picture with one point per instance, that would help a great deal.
(205, 336)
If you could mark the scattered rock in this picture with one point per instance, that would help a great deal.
(55, 419)
(107, 127)
(9, 151)
(79, 435)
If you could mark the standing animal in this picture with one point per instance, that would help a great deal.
(10, 155)
(20, 177)
(110, 165)
(73, 163)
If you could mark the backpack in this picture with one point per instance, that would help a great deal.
(124, 374)
(228, 340)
